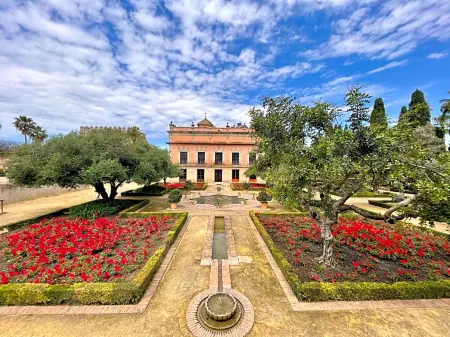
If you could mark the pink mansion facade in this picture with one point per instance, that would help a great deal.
(207, 153)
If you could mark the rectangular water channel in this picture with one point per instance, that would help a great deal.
(219, 250)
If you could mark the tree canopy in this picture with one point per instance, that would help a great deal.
(97, 157)
(319, 167)
(419, 113)
(378, 118)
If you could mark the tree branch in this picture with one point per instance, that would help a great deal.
(401, 204)
(347, 195)
(385, 216)
(360, 211)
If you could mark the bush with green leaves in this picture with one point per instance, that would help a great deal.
(188, 186)
(175, 196)
(263, 196)
(246, 185)
(99, 208)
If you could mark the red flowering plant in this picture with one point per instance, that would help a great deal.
(365, 250)
(65, 251)
(180, 186)
(253, 186)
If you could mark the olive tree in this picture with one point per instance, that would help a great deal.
(97, 157)
(316, 165)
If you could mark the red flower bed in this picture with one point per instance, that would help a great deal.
(66, 251)
(364, 251)
(253, 186)
(197, 186)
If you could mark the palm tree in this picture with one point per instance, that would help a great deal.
(445, 105)
(24, 125)
(444, 120)
(38, 134)
(135, 133)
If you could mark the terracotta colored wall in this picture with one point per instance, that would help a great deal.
(210, 141)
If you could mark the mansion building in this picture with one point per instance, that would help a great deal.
(207, 153)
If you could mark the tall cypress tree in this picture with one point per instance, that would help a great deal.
(403, 113)
(419, 113)
(378, 116)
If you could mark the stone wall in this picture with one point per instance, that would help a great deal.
(11, 193)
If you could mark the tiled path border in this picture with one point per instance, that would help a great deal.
(206, 259)
(340, 305)
(103, 309)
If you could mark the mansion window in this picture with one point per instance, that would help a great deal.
(183, 175)
(252, 178)
(183, 157)
(251, 158)
(200, 175)
(218, 158)
(235, 158)
(201, 158)
(235, 175)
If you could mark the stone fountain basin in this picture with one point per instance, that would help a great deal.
(220, 306)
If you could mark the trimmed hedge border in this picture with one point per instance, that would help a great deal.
(136, 193)
(348, 291)
(382, 204)
(371, 195)
(136, 207)
(98, 292)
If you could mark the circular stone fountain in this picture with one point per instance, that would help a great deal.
(220, 312)
(220, 306)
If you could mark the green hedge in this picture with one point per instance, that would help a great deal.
(383, 204)
(101, 207)
(136, 207)
(146, 191)
(348, 291)
(94, 293)
(367, 194)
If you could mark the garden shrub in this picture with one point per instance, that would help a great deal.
(99, 208)
(175, 196)
(148, 190)
(382, 204)
(188, 185)
(263, 196)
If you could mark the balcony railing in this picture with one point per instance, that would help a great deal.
(235, 162)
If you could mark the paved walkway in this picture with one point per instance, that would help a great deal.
(32, 208)
(185, 278)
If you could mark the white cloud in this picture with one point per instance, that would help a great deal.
(386, 32)
(394, 64)
(98, 62)
(437, 56)
(64, 68)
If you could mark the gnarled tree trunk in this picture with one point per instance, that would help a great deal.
(100, 189)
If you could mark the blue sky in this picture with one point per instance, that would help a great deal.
(146, 63)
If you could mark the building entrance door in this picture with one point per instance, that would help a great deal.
(218, 176)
